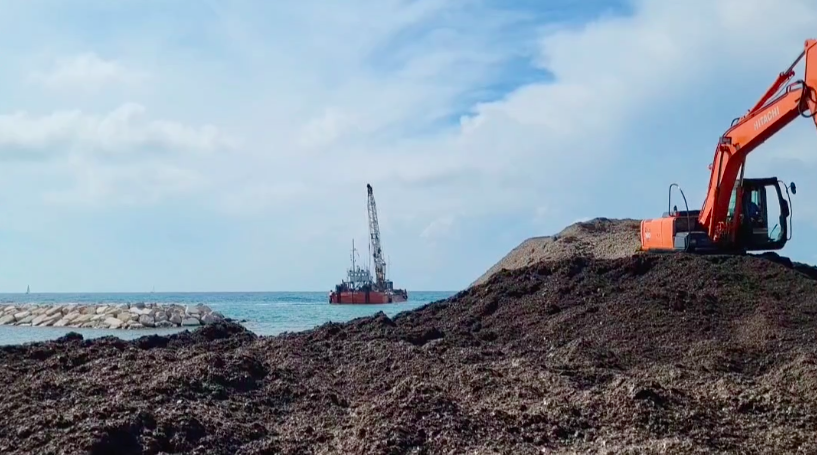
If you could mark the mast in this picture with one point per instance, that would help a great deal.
(374, 238)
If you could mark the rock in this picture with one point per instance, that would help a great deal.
(136, 315)
(212, 318)
(53, 310)
(147, 320)
(66, 309)
(190, 322)
(83, 318)
(49, 320)
(141, 311)
(190, 309)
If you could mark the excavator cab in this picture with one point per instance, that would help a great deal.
(755, 231)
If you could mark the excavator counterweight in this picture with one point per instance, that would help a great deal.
(735, 214)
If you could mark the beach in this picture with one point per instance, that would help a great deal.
(578, 354)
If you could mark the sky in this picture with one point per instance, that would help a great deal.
(226, 145)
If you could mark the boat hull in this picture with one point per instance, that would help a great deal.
(364, 298)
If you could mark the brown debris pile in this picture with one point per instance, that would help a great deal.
(597, 238)
(641, 354)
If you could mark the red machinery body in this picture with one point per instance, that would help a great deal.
(367, 297)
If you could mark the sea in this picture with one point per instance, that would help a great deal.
(265, 313)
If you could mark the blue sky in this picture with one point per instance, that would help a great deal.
(226, 145)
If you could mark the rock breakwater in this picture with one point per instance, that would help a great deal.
(113, 316)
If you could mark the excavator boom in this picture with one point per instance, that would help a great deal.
(723, 223)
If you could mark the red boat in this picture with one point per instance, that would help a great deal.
(366, 296)
(359, 288)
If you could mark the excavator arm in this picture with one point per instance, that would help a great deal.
(714, 228)
(770, 115)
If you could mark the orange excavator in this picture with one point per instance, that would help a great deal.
(735, 215)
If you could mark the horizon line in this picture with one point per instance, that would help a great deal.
(183, 292)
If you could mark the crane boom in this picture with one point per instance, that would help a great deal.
(734, 216)
(374, 238)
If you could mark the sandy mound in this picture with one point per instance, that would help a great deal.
(599, 238)
(644, 354)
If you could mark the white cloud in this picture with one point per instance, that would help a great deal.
(439, 228)
(257, 197)
(541, 214)
(326, 129)
(412, 97)
(99, 186)
(683, 70)
(87, 71)
(122, 130)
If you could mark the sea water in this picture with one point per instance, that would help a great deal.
(265, 313)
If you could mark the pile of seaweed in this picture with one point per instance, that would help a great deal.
(641, 354)
(602, 238)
